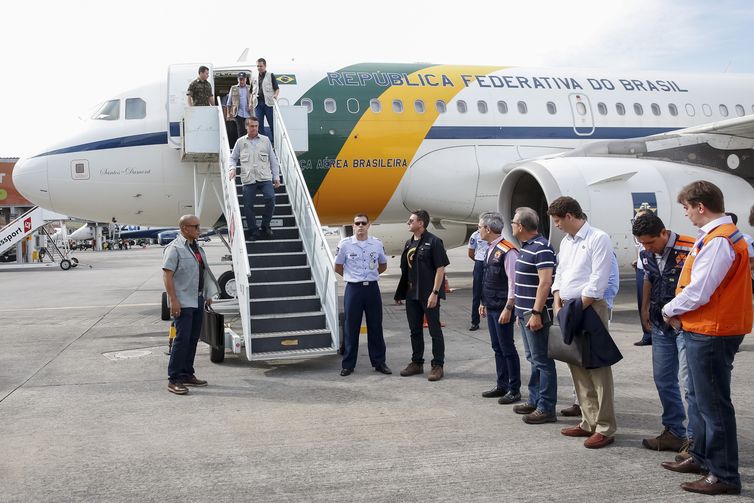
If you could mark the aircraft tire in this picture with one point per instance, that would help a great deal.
(65, 264)
(74, 262)
(227, 283)
(165, 311)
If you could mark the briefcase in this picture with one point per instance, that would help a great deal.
(576, 353)
(213, 328)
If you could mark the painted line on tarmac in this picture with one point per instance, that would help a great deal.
(63, 308)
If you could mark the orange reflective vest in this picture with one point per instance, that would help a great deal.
(729, 310)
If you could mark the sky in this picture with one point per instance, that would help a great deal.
(63, 57)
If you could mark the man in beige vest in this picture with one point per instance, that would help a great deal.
(238, 104)
(265, 93)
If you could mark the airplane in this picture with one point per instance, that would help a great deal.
(455, 140)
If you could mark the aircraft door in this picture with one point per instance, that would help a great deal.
(581, 110)
(179, 78)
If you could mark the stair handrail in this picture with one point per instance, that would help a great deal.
(315, 244)
(236, 237)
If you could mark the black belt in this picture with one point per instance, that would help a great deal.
(361, 283)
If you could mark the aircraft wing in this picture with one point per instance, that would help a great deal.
(739, 127)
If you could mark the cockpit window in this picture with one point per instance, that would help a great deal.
(108, 111)
(136, 108)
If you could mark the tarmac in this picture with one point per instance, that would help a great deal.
(85, 414)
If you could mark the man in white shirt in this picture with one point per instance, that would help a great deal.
(584, 265)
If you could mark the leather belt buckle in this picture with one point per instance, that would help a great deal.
(365, 283)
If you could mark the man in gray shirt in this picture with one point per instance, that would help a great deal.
(190, 285)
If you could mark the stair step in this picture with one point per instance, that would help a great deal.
(280, 209)
(261, 260)
(293, 354)
(281, 289)
(277, 274)
(280, 232)
(272, 305)
(277, 220)
(280, 197)
(274, 246)
(285, 322)
(291, 341)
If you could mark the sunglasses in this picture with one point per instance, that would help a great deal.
(360, 223)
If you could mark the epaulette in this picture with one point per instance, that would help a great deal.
(506, 246)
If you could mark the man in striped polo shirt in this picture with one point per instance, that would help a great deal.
(535, 268)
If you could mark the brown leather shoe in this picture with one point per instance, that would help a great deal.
(598, 441)
(412, 369)
(193, 381)
(177, 388)
(572, 411)
(539, 417)
(685, 466)
(665, 441)
(436, 373)
(524, 408)
(575, 431)
(710, 485)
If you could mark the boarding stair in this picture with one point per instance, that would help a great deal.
(32, 221)
(285, 286)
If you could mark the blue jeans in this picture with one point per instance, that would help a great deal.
(249, 194)
(668, 358)
(543, 382)
(646, 336)
(711, 413)
(188, 326)
(260, 112)
(507, 364)
(476, 291)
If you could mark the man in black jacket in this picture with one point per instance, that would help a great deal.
(423, 263)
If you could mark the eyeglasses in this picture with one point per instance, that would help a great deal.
(360, 223)
(514, 222)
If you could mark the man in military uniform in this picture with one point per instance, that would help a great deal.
(498, 303)
(423, 263)
(477, 252)
(199, 92)
(662, 258)
(238, 104)
(361, 259)
(259, 173)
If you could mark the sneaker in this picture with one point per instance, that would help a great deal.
(494, 393)
(177, 388)
(665, 441)
(509, 397)
(572, 411)
(539, 417)
(193, 381)
(524, 408)
(412, 369)
(436, 373)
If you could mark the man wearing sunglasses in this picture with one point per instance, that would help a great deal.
(360, 259)
(190, 285)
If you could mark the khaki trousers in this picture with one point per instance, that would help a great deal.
(595, 390)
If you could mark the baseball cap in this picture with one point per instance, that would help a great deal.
(241, 74)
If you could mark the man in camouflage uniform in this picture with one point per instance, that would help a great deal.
(199, 92)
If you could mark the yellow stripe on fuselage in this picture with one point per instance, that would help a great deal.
(387, 139)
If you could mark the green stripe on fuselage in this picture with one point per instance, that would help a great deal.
(329, 131)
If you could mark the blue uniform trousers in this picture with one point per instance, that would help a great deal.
(476, 291)
(363, 299)
(260, 112)
(507, 363)
(188, 327)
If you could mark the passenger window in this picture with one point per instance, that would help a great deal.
(306, 102)
(673, 109)
(638, 109)
(461, 106)
(655, 109)
(551, 108)
(419, 106)
(398, 106)
(620, 109)
(481, 105)
(707, 110)
(740, 110)
(352, 105)
(522, 108)
(502, 107)
(723, 110)
(690, 110)
(136, 108)
(375, 106)
(580, 108)
(108, 111)
(330, 106)
(602, 108)
(440, 106)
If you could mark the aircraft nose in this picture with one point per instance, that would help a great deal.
(30, 179)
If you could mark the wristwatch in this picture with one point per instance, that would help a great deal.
(509, 307)
(538, 313)
(436, 292)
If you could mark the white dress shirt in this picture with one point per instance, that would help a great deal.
(584, 264)
(711, 265)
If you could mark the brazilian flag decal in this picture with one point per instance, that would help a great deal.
(286, 78)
